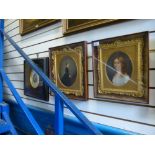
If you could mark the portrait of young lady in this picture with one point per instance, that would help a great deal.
(119, 68)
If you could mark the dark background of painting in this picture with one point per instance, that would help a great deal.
(76, 22)
(72, 68)
(110, 73)
(42, 91)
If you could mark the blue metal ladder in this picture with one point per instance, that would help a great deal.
(60, 98)
(6, 126)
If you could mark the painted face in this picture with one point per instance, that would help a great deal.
(117, 65)
(67, 65)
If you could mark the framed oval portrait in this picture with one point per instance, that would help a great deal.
(68, 69)
(121, 68)
(33, 84)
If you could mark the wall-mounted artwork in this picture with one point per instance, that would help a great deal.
(29, 25)
(77, 25)
(68, 68)
(121, 68)
(33, 84)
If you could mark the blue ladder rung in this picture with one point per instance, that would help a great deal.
(4, 127)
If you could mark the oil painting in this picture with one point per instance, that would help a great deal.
(33, 84)
(121, 68)
(71, 26)
(30, 25)
(68, 65)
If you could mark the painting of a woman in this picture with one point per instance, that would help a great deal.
(119, 68)
(67, 71)
(121, 77)
(66, 79)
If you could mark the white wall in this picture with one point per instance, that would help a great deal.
(137, 118)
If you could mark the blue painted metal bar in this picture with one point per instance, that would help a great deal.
(54, 88)
(72, 125)
(5, 116)
(59, 117)
(22, 105)
(1, 58)
(4, 127)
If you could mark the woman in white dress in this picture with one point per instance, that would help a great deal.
(121, 77)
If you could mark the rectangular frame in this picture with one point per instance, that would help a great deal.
(71, 26)
(128, 92)
(40, 92)
(30, 25)
(78, 53)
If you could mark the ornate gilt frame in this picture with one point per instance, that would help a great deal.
(78, 53)
(136, 42)
(24, 30)
(135, 90)
(88, 25)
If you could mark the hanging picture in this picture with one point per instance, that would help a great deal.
(121, 68)
(77, 25)
(29, 25)
(68, 65)
(33, 84)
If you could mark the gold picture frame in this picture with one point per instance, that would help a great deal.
(121, 68)
(30, 25)
(77, 25)
(68, 66)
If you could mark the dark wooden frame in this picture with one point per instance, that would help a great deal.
(95, 23)
(119, 98)
(25, 30)
(32, 92)
(85, 66)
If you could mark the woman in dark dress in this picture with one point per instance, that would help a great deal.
(67, 79)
